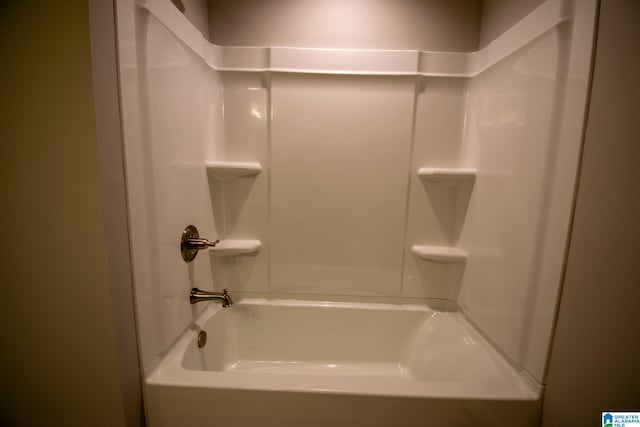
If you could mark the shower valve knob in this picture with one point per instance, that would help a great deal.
(191, 243)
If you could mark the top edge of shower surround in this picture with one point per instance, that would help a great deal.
(359, 61)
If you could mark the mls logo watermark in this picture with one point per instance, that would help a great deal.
(621, 419)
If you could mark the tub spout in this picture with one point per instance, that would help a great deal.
(196, 295)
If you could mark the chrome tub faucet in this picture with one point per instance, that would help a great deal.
(196, 295)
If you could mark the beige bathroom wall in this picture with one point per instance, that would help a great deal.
(114, 202)
(196, 12)
(594, 359)
(451, 25)
(500, 15)
(58, 357)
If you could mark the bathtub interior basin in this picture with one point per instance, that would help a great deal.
(301, 363)
(343, 347)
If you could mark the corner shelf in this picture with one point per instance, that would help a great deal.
(232, 169)
(442, 254)
(448, 175)
(236, 247)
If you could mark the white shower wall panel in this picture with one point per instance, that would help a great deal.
(240, 205)
(246, 110)
(340, 153)
(510, 111)
(523, 122)
(166, 103)
(433, 213)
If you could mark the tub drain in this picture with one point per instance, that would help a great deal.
(202, 339)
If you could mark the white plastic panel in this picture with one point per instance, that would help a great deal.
(165, 93)
(344, 61)
(524, 124)
(340, 150)
(434, 217)
(510, 113)
(240, 205)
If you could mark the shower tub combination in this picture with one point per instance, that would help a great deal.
(288, 362)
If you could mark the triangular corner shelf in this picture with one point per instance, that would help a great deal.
(448, 175)
(218, 169)
(442, 254)
(236, 247)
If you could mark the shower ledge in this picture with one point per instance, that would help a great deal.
(236, 247)
(232, 169)
(442, 254)
(448, 175)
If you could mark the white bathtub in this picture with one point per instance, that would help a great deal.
(302, 363)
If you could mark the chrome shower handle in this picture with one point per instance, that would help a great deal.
(191, 243)
(199, 243)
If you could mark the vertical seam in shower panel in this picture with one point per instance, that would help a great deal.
(416, 91)
(267, 83)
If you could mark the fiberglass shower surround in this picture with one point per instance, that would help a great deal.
(418, 192)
